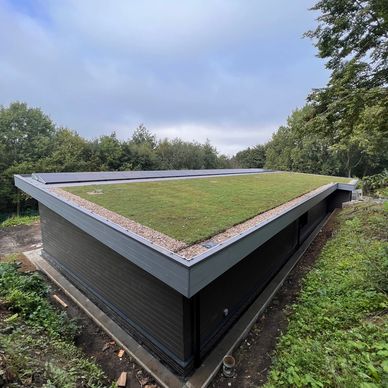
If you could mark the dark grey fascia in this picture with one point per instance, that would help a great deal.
(186, 276)
(348, 186)
(163, 264)
(205, 267)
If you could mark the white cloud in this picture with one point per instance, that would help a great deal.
(220, 69)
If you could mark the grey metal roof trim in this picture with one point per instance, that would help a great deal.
(161, 263)
(227, 254)
(185, 276)
(80, 177)
(348, 186)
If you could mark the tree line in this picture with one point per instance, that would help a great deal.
(31, 142)
(343, 128)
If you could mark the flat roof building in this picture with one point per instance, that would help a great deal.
(176, 257)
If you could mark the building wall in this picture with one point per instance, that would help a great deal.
(310, 220)
(179, 330)
(145, 306)
(223, 301)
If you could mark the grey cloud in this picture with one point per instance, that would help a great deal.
(224, 70)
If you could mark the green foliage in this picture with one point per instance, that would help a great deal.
(142, 135)
(70, 152)
(34, 359)
(26, 296)
(177, 154)
(354, 29)
(174, 207)
(343, 130)
(374, 182)
(251, 157)
(21, 220)
(293, 148)
(109, 153)
(25, 136)
(30, 142)
(337, 333)
(318, 143)
(37, 340)
(352, 110)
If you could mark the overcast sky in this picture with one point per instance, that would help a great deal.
(227, 70)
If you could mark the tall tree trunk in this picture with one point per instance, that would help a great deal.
(348, 166)
(18, 204)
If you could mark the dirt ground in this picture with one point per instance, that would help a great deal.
(20, 238)
(253, 357)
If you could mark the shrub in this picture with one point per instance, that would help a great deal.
(373, 182)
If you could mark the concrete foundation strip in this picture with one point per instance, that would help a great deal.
(209, 368)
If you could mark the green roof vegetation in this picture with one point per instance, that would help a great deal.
(193, 210)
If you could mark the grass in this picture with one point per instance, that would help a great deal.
(338, 331)
(192, 210)
(36, 339)
(21, 220)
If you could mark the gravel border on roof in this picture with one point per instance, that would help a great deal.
(141, 230)
(196, 249)
(183, 249)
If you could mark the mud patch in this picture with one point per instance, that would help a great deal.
(20, 238)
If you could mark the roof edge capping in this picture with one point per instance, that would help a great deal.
(181, 274)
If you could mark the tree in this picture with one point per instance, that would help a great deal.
(25, 133)
(30, 142)
(354, 32)
(295, 148)
(210, 155)
(353, 36)
(25, 138)
(251, 157)
(70, 152)
(108, 152)
(142, 135)
(279, 150)
(339, 113)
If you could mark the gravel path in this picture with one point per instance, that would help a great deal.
(179, 247)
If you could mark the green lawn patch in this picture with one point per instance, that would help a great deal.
(338, 332)
(192, 210)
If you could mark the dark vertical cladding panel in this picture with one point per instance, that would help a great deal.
(337, 198)
(151, 310)
(312, 218)
(223, 301)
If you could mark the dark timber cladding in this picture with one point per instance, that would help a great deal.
(150, 310)
(178, 309)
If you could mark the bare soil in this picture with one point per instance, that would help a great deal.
(254, 355)
(20, 238)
